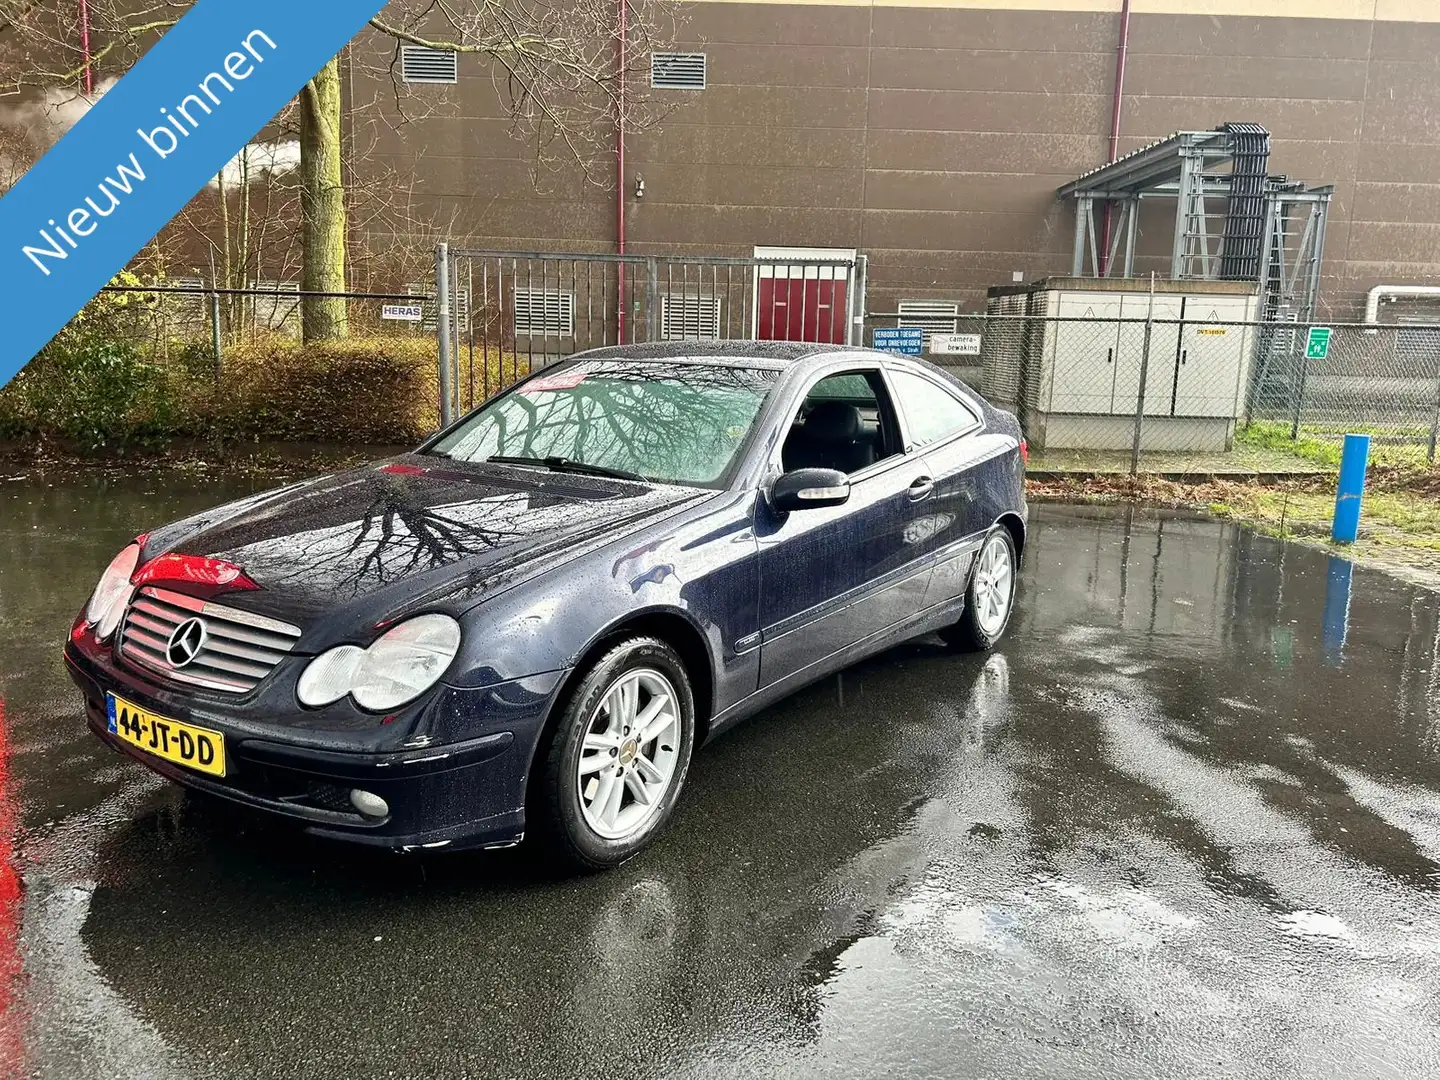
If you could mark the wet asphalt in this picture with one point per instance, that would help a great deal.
(1185, 822)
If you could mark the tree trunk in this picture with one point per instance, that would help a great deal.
(322, 205)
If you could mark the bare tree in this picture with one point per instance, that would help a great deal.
(564, 68)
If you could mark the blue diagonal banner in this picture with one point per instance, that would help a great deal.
(162, 132)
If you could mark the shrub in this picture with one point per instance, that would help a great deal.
(94, 388)
(354, 391)
(376, 390)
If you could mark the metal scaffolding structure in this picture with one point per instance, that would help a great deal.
(1233, 221)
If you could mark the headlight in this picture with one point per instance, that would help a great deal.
(107, 602)
(398, 667)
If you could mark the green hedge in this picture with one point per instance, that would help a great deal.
(93, 390)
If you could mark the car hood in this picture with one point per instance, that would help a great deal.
(378, 542)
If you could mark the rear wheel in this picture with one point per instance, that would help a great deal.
(618, 758)
(990, 596)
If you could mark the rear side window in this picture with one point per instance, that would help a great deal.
(854, 388)
(931, 412)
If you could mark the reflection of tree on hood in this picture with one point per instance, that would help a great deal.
(397, 534)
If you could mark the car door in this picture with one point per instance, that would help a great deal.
(832, 576)
(948, 434)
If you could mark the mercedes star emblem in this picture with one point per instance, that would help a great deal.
(185, 643)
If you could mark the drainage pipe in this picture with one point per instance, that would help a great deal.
(1122, 60)
(622, 75)
(1372, 303)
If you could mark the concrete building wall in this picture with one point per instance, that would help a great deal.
(932, 136)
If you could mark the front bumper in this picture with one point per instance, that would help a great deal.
(465, 793)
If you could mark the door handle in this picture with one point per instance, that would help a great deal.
(1110, 355)
(921, 487)
(1184, 355)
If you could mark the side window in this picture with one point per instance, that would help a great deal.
(931, 412)
(846, 422)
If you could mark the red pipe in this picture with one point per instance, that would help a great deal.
(621, 63)
(1122, 59)
(89, 76)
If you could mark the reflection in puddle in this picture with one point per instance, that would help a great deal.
(1338, 576)
(1314, 925)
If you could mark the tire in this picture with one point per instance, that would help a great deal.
(593, 752)
(980, 625)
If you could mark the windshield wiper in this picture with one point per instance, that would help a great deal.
(569, 465)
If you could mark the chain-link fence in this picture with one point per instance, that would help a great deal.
(1110, 382)
(191, 314)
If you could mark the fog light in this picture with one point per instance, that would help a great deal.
(368, 803)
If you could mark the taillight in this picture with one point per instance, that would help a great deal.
(1024, 452)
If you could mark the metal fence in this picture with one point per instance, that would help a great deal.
(192, 313)
(1102, 385)
(1196, 388)
(534, 308)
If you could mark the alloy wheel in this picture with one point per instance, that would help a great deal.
(994, 586)
(629, 754)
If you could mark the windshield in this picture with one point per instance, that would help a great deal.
(674, 422)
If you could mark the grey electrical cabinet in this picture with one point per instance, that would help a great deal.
(1067, 354)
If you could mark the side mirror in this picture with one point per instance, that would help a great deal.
(807, 489)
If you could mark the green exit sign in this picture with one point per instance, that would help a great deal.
(1318, 347)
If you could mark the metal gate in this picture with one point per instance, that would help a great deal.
(502, 314)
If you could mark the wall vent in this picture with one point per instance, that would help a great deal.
(544, 313)
(689, 318)
(421, 65)
(677, 71)
(932, 316)
(280, 311)
(459, 308)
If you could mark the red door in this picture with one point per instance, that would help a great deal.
(793, 307)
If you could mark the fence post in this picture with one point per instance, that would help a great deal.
(215, 334)
(857, 303)
(1300, 390)
(652, 303)
(1144, 375)
(442, 329)
(1434, 421)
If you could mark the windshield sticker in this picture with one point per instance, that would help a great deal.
(561, 380)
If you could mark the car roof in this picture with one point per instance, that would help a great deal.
(776, 355)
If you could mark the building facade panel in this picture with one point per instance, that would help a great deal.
(1031, 112)
(743, 186)
(749, 64)
(733, 144)
(979, 70)
(932, 134)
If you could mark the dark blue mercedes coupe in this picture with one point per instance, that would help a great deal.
(528, 625)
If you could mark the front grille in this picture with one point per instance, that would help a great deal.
(238, 650)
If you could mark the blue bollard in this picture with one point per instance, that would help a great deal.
(1353, 461)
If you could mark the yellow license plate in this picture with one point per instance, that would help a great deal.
(185, 744)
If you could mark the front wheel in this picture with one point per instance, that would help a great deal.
(990, 596)
(618, 756)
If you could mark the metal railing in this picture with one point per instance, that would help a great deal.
(533, 308)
